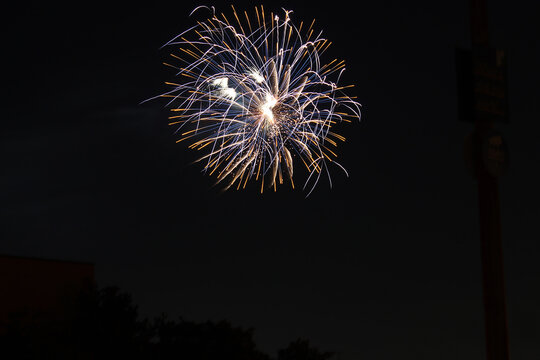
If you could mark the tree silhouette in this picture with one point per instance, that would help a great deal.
(301, 350)
(209, 340)
(105, 324)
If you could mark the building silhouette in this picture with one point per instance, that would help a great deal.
(34, 290)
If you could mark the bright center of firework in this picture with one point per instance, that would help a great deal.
(267, 106)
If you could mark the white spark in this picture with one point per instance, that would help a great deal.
(226, 91)
(257, 77)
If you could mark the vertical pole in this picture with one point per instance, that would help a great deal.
(479, 23)
(495, 318)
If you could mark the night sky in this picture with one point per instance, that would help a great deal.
(384, 265)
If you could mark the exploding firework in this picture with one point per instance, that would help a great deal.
(256, 99)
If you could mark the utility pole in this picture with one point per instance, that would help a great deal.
(483, 100)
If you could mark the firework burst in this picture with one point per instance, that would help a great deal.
(256, 99)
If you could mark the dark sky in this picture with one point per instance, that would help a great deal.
(386, 264)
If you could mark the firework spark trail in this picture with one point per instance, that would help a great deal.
(255, 97)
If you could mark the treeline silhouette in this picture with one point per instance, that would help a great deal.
(105, 324)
